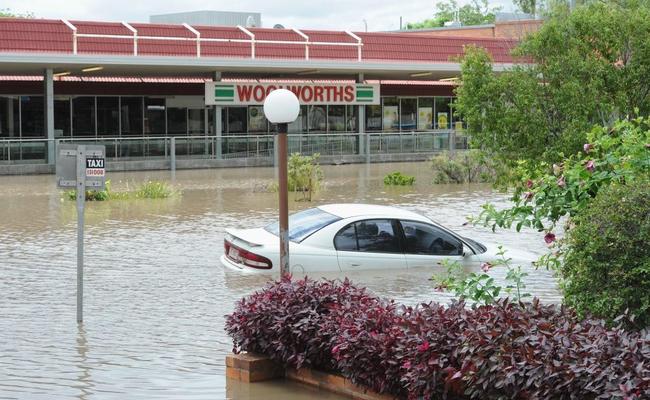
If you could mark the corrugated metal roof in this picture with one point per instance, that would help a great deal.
(54, 36)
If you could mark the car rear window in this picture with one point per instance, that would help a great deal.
(304, 223)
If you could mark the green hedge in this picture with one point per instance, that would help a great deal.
(606, 270)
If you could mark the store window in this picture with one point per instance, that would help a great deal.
(408, 113)
(176, 121)
(300, 124)
(351, 118)
(425, 113)
(154, 116)
(237, 120)
(108, 116)
(257, 122)
(336, 118)
(196, 121)
(61, 116)
(390, 114)
(32, 116)
(443, 113)
(373, 118)
(9, 123)
(83, 116)
(318, 119)
(131, 116)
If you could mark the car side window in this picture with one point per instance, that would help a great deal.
(373, 236)
(422, 238)
(346, 239)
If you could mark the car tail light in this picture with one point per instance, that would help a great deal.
(245, 257)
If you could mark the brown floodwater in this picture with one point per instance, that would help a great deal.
(155, 293)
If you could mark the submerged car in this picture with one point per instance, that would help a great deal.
(347, 237)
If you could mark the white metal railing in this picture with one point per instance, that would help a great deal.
(239, 146)
(135, 38)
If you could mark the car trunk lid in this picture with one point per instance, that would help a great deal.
(251, 237)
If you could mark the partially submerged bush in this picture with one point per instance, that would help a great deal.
(505, 350)
(154, 190)
(304, 174)
(398, 179)
(606, 269)
(463, 167)
(147, 190)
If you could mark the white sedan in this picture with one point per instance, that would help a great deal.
(347, 237)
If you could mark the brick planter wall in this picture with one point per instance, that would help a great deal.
(250, 368)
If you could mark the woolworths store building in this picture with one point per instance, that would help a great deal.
(135, 86)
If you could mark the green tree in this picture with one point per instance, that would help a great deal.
(476, 13)
(584, 68)
(7, 13)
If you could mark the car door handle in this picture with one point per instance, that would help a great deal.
(355, 265)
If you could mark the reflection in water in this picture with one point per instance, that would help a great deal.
(155, 294)
(84, 380)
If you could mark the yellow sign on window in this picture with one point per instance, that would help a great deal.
(443, 122)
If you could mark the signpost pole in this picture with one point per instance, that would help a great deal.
(81, 200)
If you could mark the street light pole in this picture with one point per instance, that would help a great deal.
(281, 107)
(284, 200)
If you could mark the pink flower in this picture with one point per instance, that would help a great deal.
(561, 182)
(424, 346)
(549, 238)
(406, 365)
(587, 147)
(485, 267)
(529, 184)
(619, 64)
(590, 166)
(528, 196)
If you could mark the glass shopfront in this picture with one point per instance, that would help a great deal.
(110, 116)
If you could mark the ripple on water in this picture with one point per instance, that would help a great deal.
(155, 294)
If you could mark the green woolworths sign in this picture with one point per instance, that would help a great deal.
(218, 93)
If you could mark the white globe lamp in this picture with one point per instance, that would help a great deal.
(281, 106)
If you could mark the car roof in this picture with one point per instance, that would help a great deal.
(357, 210)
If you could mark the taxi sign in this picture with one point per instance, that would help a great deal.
(95, 167)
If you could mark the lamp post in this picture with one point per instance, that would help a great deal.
(281, 107)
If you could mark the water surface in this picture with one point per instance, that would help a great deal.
(155, 293)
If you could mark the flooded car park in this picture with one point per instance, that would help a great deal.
(155, 290)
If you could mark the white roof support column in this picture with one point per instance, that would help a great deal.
(306, 41)
(218, 123)
(74, 35)
(198, 38)
(364, 138)
(359, 43)
(48, 92)
(252, 36)
(135, 37)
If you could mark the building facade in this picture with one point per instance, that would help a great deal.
(133, 87)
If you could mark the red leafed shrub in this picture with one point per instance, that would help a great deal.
(366, 348)
(505, 350)
(295, 321)
(545, 352)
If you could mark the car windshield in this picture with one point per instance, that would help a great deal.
(478, 247)
(304, 223)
